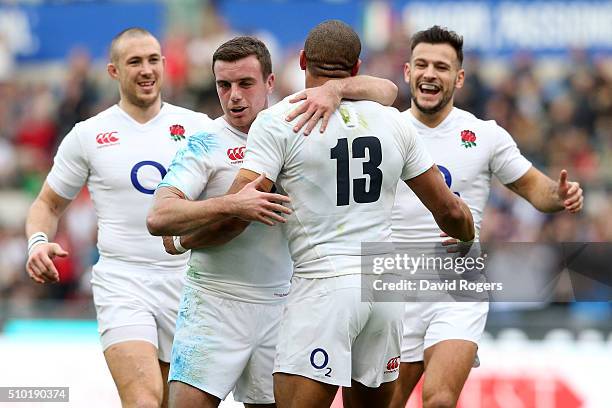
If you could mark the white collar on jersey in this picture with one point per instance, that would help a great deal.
(135, 122)
(232, 129)
(448, 120)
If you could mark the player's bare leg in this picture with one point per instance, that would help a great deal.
(136, 372)
(185, 395)
(447, 366)
(295, 391)
(358, 395)
(165, 369)
(409, 376)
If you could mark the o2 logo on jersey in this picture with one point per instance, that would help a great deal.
(448, 179)
(319, 360)
(136, 169)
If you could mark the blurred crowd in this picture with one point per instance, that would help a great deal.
(559, 111)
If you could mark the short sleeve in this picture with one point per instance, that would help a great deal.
(417, 159)
(507, 163)
(192, 165)
(70, 167)
(265, 149)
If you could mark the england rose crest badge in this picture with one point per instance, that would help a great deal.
(177, 132)
(468, 138)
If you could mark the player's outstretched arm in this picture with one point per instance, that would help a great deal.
(320, 103)
(450, 212)
(247, 200)
(216, 234)
(546, 195)
(41, 224)
(172, 214)
(251, 200)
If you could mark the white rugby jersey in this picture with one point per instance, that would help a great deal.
(342, 183)
(122, 161)
(253, 267)
(467, 151)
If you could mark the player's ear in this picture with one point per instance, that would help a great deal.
(302, 60)
(407, 72)
(112, 70)
(460, 79)
(355, 69)
(270, 83)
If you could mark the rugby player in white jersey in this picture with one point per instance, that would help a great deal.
(342, 186)
(232, 302)
(121, 155)
(441, 338)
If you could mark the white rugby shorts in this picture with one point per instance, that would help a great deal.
(428, 323)
(224, 345)
(330, 335)
(136, 303)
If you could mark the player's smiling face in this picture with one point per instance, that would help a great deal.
(433, 73)
(139, 68)
(242, 90)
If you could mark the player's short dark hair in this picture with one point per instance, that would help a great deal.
(332, 49)
(128, 32)
(241, 47)
(439, 35)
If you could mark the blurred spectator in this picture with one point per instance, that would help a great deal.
(79, 94)
(35, 136)
(7, 60)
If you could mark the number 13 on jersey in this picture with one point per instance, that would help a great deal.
(361, 194)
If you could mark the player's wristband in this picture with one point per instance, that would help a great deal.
(475, 239)
(177, 244)
(35, 239)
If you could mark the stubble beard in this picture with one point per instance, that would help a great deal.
(130, 93)
(446, 98)
(142, 102)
